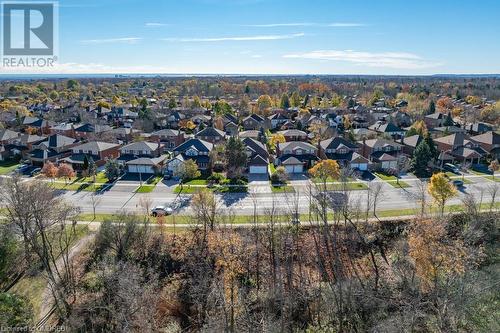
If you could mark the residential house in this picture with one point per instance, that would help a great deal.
(291, 152)
(66, 129)
(258, 156)
(143, 157)
(99, 151)
(277, 120)
(490, 142)
(194, 149)
(171, 138)
(254, 134)
(479, 128)
(401, 119)
(460, 147)
(212, 135)
(231, 129)
(388, 129)
(410, 143)
(342, 151)
(22, 145)
(383, 153)
(255, 122)
(87, 131)
(41, 126)
(435, 119)
(52, 149)
(294, 135)
(125, 134)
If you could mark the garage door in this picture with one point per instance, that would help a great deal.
(361, 167)
(258, 169)
(140, 169)
(298, 168)
(294, 168)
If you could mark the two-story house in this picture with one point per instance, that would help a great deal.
(143, 157)
(258, 156)
(277, 120)
(194, 149)
(384, 153)
(99, 151)
(171, 138)
(388, 128)
(212, 135)
(255, 122)
(296, 156)
(490, 142)
(294, 135)
(343, 151)
(52, 149)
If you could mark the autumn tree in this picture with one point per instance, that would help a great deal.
(275, 139)
(441, 190)
(264, 103)
(435, 255)
(49, 170)
(65, 171)
(494, 167)
(325, 170)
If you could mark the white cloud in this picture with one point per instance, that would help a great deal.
(126, 40)
(156, 24)
(256, 56)
(273, 25)
(240, 38)
(399, 60)
(89, 68)
(308, 24)
(345, 24)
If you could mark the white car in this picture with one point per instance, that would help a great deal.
(161, 211)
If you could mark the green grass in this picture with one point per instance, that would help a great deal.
(282, 189)
(486, 175)
(8, 166)
(196, 182)
(82, 183)
(150, 185)
(392, 180)
(186, 189)
(272, 168)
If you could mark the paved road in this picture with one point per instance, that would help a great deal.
(119, 198)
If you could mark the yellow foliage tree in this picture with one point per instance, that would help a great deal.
(441, 190)
(435, 255)
(275, 140)
(324, 170)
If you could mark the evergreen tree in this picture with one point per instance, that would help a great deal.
(432, 146)
(432, 107)
(449, 120)
(285, 102)
(421, 158)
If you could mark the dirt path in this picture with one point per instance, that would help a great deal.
(47, 300)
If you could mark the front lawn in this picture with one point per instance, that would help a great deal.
(82, 183)
(488, 176)
(282, 189)
(392, 180)
(185, 189)
(150, 185)
(8, 166)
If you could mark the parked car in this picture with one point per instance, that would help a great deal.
(161, 211)
(21, 168)
(457, 183)
(35, 172)
(452, 168)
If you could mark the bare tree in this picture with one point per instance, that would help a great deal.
(43, 221)
(493, 192)
(145, 203)
(376, 190)
(95, 200)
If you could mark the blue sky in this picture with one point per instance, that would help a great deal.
(279, 36)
